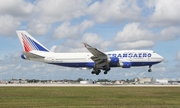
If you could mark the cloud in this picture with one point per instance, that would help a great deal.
(92, 38)
(35, 27)
(72, 45)
(8, 25)
(113, 10)
(178, 55)
(61, 10)
(134, 36)
(96, 41)
(128, 74)
(133, 32)
(18, 8)
(161, 67)
(165, 13)
(66, 30)
(137, 36)
(136, 45)
(169, 33)
(53, 48)
(12, 13)
(12, 66)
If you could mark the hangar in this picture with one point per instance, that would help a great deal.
(144, 80)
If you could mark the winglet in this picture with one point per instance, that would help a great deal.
(87, 46)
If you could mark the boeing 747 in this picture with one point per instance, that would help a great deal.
(95, 59)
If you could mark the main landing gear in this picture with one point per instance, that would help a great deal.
(106, 70)
(97, 71)
(150, 70)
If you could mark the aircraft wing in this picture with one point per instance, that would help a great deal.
(100, 58)
(94, 51)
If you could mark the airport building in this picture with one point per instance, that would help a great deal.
(144, 80)
(119, 82)
(162, 81)
(13, 81)
(168, 81)
(87, 82)
(174, 81)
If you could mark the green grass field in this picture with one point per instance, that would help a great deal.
(81, 97)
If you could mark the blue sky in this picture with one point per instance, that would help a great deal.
(63, 25)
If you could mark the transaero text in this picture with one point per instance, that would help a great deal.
(134, 55)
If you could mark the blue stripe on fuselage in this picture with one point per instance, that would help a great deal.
(91, 64)
(143, 63)
(78, 64)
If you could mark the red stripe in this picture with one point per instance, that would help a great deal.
(27, 47)
(28, 43)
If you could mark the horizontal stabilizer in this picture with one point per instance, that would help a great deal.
(31, 55)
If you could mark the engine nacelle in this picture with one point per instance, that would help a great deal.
(125, 64)
(114, 61)
(23, 56)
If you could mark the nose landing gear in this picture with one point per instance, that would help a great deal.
(150, 70)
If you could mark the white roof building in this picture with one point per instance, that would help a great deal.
(86, 82)
(162, 81)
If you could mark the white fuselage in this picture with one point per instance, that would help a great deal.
(136, 57)
(96, 59)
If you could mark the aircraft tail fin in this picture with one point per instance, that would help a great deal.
(29, 43)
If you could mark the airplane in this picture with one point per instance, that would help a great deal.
(95, 60)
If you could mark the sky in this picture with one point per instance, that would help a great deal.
(63, 25)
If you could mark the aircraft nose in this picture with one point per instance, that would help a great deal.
(161, 58)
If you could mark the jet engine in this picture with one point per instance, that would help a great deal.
(125, 64)
(23, 56)
(114, 61)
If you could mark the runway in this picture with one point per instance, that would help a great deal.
(85, 85)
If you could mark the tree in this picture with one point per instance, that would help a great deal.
(79, 79)
(127, 80)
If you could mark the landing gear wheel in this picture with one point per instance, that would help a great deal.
(93, 72)
(149, 70)
(97, 73)
(105, 72)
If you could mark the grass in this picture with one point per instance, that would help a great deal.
(92, 97)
